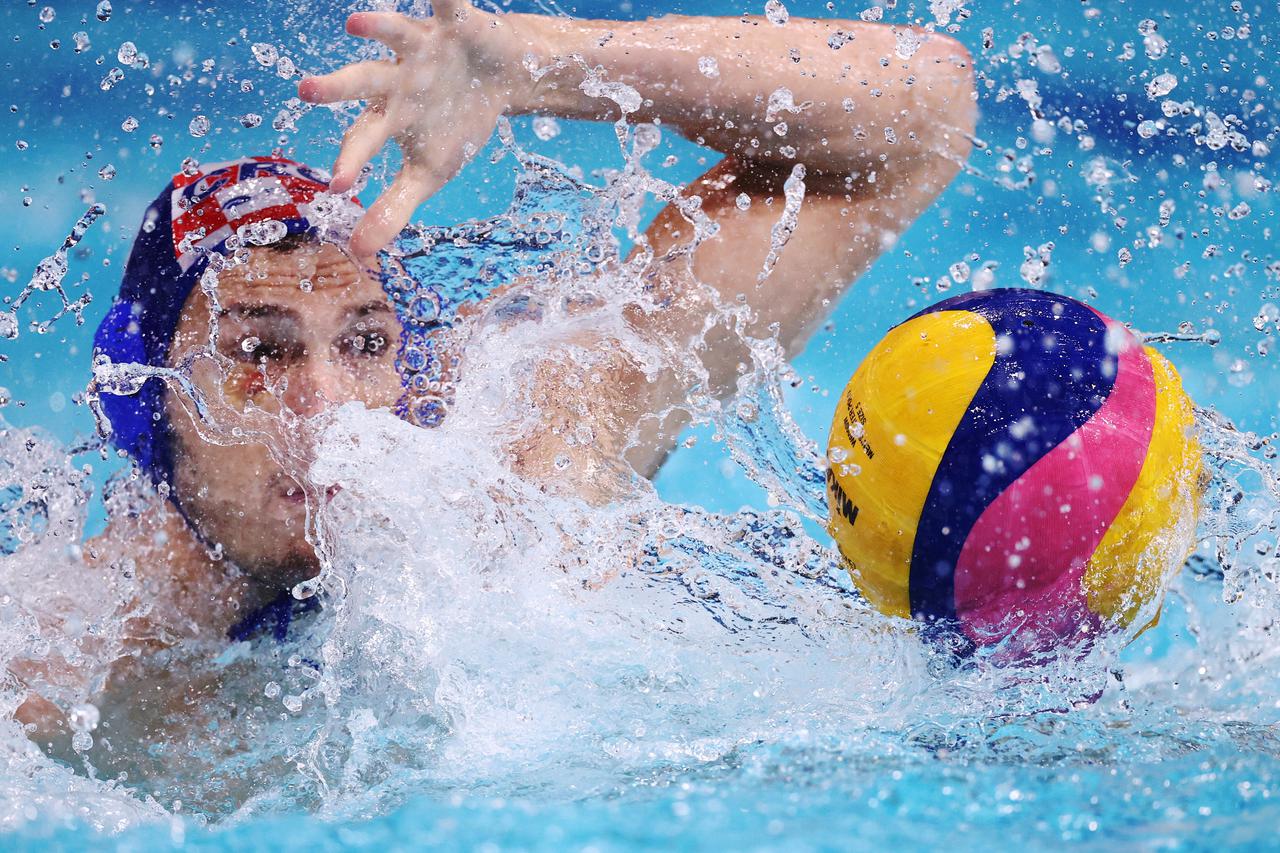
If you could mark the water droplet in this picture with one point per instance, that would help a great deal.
(114, 76)
(781, 100)
(156, 141)
(8, 325)
(266, 54)
(103, 11)
(1161, 85)
(127, 54)
(250, 343)
(708, 67)
(907, 42)
(47, 15)
(250, 120)
(107, 172)
(81, 40)
(646, 136)
(129, 125)
(272, 690)
(776, 12)
(190, 166)
(1153, 44)
(545, 128)
(83, 717)
(959, 272)
(1036, 263)
(199, 126)
(262, 233)
(839, 39)
(293, 704)
(21, 144)
(743, 201)
(1148, 129)
(285, 68)
(1239, 373)
(872, 14)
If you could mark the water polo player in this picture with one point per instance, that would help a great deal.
(330, 341)
(840, 149)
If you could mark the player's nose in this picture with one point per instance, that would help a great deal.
(315, 385)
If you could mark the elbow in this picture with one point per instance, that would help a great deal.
(953, 55)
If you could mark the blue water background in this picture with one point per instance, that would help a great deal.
(52, 101)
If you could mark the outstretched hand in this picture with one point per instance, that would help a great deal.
(452, 77)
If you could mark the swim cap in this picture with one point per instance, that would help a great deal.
(260, 199)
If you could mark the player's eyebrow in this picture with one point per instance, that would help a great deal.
(257, 310)
(376, 306)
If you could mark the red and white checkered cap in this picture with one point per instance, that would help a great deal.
(222, 199)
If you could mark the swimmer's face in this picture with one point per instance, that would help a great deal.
(304, 351)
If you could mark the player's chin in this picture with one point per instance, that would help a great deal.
(285, 564)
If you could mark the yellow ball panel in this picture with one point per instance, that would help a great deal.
(891, 428)
(1154, 532)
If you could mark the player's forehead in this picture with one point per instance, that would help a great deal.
(312, 285)
(307, 269)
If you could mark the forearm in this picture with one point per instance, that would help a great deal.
(857, 113)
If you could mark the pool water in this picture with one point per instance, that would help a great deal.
(766, 716)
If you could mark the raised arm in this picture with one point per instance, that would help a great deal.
(841, 97)
(846, 99)
(868, 121)
(878, 118)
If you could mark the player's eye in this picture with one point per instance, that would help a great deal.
(256, 350)
(370, 343)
